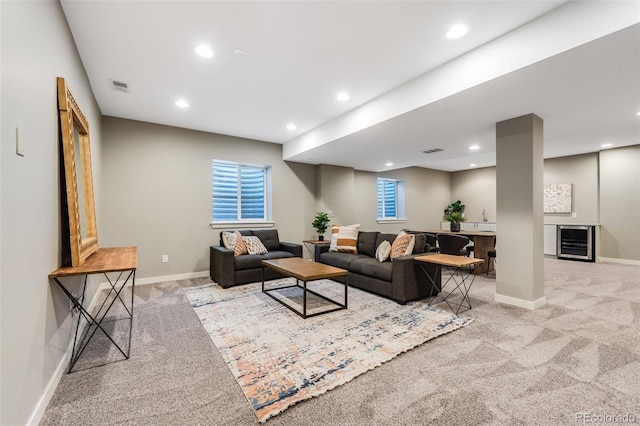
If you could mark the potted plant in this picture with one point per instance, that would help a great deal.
(320, 224)
(454, 213)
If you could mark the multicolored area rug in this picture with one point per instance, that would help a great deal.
(279, 359)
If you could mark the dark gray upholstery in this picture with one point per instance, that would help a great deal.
(367, 243)
(402, 280)
(228, 270)
(453, 244)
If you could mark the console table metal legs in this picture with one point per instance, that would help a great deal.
(95, 322)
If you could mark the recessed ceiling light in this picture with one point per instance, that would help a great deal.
(343, 97)
(474, 147)
(291, 126)
(472, 165)
(638, 114)
(204, 51)
(388, 164)
(606, 145)
(182, 103)
(457, 31)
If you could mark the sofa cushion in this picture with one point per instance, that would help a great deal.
(385, 237)
(372, 268)
(254, 245)
(269, 238)
(421, 243)
(278, 254)
(340, 260)
(367, 243)
(344, 239)
(383, 251)
(248, 261)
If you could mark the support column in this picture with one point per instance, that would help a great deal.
(520, 220)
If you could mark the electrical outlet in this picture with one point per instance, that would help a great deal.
(165, 258)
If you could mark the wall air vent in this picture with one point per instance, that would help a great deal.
(433, 151)
(120, 86)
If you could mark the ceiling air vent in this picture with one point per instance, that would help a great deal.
(120, 86)
(433, 151)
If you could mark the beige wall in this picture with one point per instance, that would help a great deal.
(37, 46)
(582, 172)
(157, 180)
(351, 196)
(606, 191)
(620, 203)
(476, 189)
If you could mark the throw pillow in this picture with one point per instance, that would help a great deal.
(344, 239)
(239, 248)
(402, 245)
(228, 240)
(254, 245)
(383, 251)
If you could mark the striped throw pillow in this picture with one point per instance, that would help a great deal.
(402, 245)
(239, 247)
(344, 239)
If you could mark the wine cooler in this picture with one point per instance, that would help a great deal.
(576, 242)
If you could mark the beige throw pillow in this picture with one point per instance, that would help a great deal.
(254, 245)
(344, 239)
(228, 240)
(383, 251)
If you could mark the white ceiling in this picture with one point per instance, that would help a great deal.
(299, 55)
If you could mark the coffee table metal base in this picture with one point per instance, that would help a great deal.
(306, 290)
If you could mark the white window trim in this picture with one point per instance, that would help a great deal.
(400, 204)
(242, 225)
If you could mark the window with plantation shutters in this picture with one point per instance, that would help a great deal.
(387, 198)
(390, 199)
(239, 192)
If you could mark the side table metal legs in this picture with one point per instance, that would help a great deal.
(461, 279)
(96, 322)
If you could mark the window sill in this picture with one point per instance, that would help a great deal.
(244, 225)
(400, 220)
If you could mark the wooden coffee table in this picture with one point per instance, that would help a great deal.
(305, 271)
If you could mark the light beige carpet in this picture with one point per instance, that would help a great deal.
(577, 356)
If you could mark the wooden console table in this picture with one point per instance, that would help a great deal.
(113, 259)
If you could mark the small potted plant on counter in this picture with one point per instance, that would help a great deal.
(320, 224)
(454, 213)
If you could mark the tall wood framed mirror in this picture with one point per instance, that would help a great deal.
(78, 174)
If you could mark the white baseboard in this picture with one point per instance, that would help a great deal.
(161, 279)
(60, 370)
(521, 303)
(620, 261)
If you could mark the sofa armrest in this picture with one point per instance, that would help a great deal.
(319, 249)
(221, 265)
(408, 279)
(295, 249)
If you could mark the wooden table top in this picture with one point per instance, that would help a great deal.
(449, 260)
(318, 242)
(109, 259)
(303, 269)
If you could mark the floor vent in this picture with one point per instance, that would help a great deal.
(433, 151)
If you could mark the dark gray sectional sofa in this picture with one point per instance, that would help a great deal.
(402, 280)
(228, 270)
